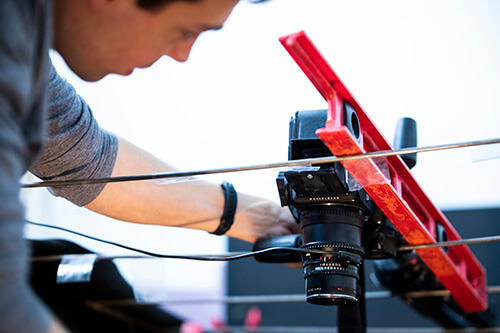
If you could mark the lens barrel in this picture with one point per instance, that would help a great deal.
(331, 279)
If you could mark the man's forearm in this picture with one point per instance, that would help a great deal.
(196, 205)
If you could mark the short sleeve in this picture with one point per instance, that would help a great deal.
(75, 146)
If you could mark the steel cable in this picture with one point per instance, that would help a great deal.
(293, 163)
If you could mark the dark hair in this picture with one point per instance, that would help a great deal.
(158, 4)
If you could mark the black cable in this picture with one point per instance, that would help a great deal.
(254, 253)
(478, 240)
(173, 256)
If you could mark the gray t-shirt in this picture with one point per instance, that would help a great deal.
(75, 146)
(37, 108)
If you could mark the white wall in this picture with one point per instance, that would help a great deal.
(435, 61)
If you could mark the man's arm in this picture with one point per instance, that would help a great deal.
(76, 147)
(196, 205)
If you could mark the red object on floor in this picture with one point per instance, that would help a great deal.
(399, 197)
(218, 324)
(190, 327)
(253, 318)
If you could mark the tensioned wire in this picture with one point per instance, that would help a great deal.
(280, 298)
(293, 163)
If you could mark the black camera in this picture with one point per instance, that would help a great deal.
(336, 216)
(341, 226)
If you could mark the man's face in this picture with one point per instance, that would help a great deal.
(116, 36)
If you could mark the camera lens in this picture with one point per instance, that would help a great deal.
(331, 278)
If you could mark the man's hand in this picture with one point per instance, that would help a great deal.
(257, 217)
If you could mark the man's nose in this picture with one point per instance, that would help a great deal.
(180, 51)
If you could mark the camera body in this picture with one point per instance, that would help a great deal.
(335, 214)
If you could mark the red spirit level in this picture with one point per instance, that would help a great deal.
(398, 196)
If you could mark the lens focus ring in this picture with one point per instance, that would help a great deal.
(336, 245)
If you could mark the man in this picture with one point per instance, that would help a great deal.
(46, 128)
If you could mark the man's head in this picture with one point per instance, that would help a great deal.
(99, 37)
